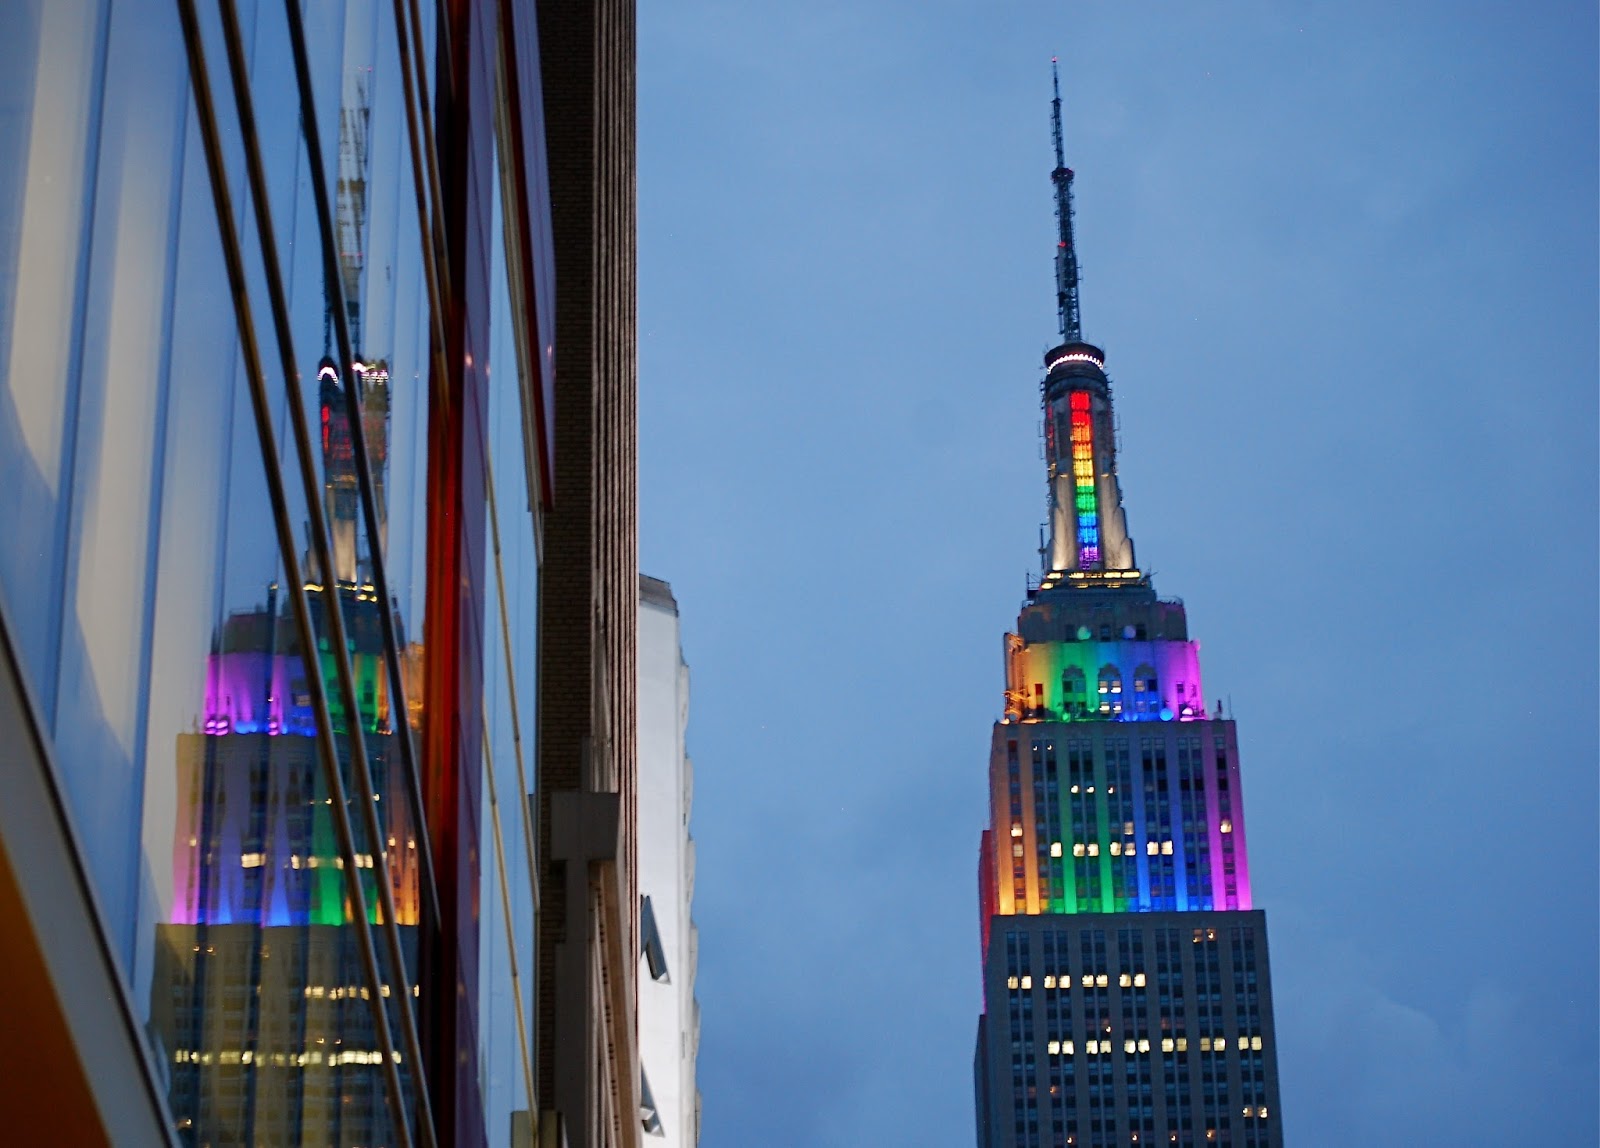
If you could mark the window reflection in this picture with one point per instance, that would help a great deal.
(145, 577)
(259, 1000)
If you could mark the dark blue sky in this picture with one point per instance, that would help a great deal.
(1343, 261)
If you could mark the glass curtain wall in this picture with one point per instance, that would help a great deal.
(236, 719)
(506, 1021)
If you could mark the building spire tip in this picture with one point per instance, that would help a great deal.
(1066, 255)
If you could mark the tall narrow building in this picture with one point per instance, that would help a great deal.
(1126, 991)
(669, 1014)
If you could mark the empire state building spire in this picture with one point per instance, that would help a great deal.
(1066, 253)
(1089, 542)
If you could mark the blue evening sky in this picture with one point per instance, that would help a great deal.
(1343, 260)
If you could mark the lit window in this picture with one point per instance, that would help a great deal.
(1101, 980)
(1205, 1044)
(1127, 829)
(1066, 1048)
(1054, 1048)
(1144, 1044)
(1016, 850)
(1055, 848)
(1249, 1111)
(1116, 849)
(1094, 849)
(1262, 1112)
(1049, 982)
(1016, 831)
(1077, 848)
(1153, 848)
(1074, 789)
(1226, 826)
(1255, 1043)
(1138, 980)
(252, 860)
(1125, 981)
(1011, 982)
(1166, 1044)
(1088, 980)
(1183, 1044)
(1027, 982)
(1166, 848)
(1244, 1044)
(1130, 1046)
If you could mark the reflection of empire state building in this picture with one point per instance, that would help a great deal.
(259, 999)
(338, 454)
(1127, 999)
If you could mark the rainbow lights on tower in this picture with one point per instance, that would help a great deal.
(1083, 482)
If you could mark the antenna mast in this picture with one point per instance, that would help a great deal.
(1066, 253)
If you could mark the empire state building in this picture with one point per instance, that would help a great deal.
(1127, 999)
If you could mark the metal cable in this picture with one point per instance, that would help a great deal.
(429, 232)
(511, 674)
(505, 905)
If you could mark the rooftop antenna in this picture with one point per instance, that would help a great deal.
(1066, 253)
(355, 117)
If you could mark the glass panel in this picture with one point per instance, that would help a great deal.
(120, 442)
(507, 875)
(50, 83)
(140, 560)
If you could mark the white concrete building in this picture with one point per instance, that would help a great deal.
(669, 1015)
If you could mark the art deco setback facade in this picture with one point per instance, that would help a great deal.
(1127, 993)
(317, 573)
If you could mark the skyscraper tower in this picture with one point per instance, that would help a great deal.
(1126, 991)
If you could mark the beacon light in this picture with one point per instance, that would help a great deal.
(1073, 356)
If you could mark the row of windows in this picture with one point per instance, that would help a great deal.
(1090, 980)
(310, 1057)
(1131, 1045)
(1242, 947)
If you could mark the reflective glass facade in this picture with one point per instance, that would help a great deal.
(275, 446)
